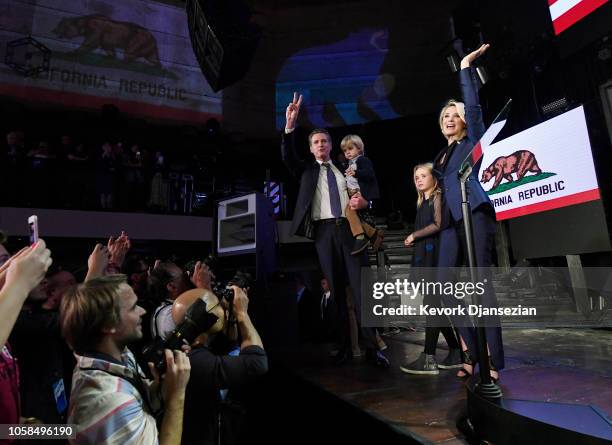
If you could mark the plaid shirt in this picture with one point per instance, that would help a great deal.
(106, 406)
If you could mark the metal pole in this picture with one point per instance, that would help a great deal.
(486, 388)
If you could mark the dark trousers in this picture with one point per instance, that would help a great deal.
(334, 243)
(452, 243)
(436, 324)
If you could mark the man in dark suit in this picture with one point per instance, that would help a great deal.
(320, 215)
(327, 314)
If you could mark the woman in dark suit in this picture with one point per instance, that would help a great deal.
(462, 126)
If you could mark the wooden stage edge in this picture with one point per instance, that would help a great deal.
(550, 365)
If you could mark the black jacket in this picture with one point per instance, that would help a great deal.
(447, 176)
(366, 177)
(209, 374)
(307, 173)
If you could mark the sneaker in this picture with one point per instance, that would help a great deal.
(360, 245)
(377, 358)
(425, 364)
(452, 360)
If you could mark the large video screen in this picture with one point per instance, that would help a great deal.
(545, 167)
(341, 82)
(565, 13)
(136, 55)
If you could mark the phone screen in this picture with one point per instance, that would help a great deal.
(33, 225)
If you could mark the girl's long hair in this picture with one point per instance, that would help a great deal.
(436, 190)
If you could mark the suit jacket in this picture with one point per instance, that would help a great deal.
(368, 185)
(448, 177)
(327, 319)
(307, 173)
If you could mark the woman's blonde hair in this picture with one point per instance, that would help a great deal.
(460, 106)
(352, 139)
(436, 189)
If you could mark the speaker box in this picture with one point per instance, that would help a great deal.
(245, 226)
(223, 39)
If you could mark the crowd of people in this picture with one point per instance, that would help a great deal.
(90, 331)
(71, 174)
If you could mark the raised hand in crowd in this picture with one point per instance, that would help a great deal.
(293, 110)
(97, 262)
(250, 336)
(202, 276)
(155, 266)
(23, 273)
(118, 248)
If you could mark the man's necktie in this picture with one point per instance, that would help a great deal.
(334, 194)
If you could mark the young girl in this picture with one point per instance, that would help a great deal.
(425, 240)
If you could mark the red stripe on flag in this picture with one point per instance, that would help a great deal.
(36, 94)
(551, 2)
(476, 153)
(578, 12)
(564, 201)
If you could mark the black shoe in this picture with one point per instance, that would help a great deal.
(377, 358)
(452, 360)
(360, 245)
(342, 357)
(377, 239)
(424, 365)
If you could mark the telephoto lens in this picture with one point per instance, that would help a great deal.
(197, 321)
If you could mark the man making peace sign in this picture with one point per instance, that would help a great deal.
(320, 215)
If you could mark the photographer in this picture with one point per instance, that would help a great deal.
(111, 401)
(206, 405)
(165, 283)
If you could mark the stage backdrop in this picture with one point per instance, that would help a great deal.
(136, 55)
(342, 82)
(542, 168)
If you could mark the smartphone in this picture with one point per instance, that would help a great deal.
(33, 225)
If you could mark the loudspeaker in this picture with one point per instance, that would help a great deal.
(245, 226)
(223, 39)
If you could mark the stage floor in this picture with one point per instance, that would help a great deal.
(555, 365)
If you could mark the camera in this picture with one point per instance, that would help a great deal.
(241, 279)
(197, 320)
(222, 289)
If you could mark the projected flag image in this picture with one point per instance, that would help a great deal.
(565, 13)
